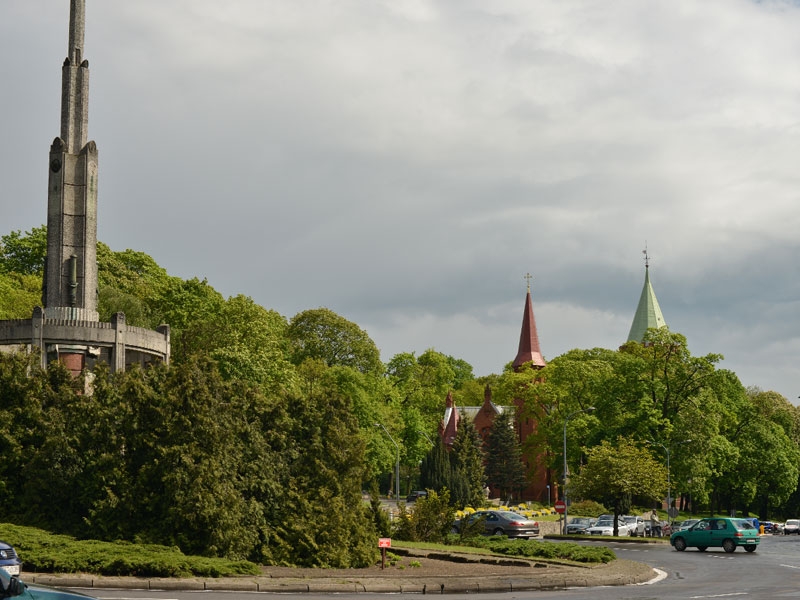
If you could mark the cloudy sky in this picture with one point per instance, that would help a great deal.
(405, 163)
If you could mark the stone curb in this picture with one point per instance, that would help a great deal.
(638, 573)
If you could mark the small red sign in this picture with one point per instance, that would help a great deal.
(560, 507)
(384, 542)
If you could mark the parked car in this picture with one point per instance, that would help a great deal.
(605, 526)
(416, 495)
(635, 525)
(9, 559)
(501, 522)
(12, 586)
(716, 532)
(792, 526)
(682, 525)
(578, 525)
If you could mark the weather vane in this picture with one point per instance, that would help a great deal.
(646, 256)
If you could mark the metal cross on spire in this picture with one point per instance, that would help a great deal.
(528, 276)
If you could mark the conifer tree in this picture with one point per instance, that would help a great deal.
(504, 468)
(435, 470)
(466, 459)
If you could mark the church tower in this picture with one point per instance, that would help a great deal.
(529, 351)
(648, 312)
(70, 280)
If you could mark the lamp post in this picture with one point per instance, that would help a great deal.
(396, 465)
(569, 416)
(548, 494)
(669, 482)
(425, 435)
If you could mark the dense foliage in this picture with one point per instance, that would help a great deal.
(258, 439)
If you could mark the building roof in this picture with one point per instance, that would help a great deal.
(529, 351)
(648, 313)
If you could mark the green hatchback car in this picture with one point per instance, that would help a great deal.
(717, 532)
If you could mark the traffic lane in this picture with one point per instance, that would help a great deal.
(771, 571)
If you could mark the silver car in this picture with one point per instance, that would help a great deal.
(579, 525)
(606, 527)
(504, 522)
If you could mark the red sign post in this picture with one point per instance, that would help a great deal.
(560, 506)
(383, 544)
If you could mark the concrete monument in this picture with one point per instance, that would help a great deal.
(68, 328)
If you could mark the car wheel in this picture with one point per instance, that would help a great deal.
(729, 545)
(680, 544)
(497, 531)
(750, 548)
(702, 548)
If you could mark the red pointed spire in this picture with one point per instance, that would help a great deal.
(529, 351)
(449, 425)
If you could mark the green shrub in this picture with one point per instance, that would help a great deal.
(539, 549)
(43, 552)
(430, 521)
(588, 508)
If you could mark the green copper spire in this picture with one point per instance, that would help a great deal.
(648, 313)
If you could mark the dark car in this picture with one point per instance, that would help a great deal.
(502, 522)
(9, 559)
(416, 495)
(716, 532)
(578, 525)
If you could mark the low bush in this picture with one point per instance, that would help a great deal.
(587, 508)
(430, 520)
(539, 549)
(43, 552)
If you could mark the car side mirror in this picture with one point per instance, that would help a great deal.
(15, 587)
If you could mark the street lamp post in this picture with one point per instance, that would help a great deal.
(396, 465)
(569, 416)
(548, 494)
(669, 481)
(425, 435)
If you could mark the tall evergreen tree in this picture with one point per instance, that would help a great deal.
(435, 470)
(504, 468)
(466, 459)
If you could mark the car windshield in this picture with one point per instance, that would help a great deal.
(581, 521)
(793, 522)
(605, 523)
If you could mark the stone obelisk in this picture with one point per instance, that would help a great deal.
(68, 328)
(70, 280)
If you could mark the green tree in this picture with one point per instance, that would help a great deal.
(504, 467)
(616, 472)
(467, 459)
(24, 253)
(321, 333)
(326, 523)
(423, 382)
(19, 294)
(436, 472)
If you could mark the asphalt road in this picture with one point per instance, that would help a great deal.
(773, 571)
